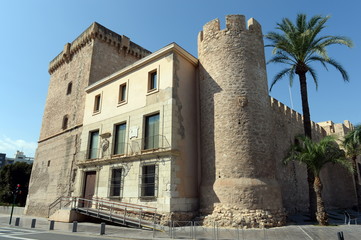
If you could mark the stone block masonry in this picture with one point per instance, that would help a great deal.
(238, 172)
(96, 53)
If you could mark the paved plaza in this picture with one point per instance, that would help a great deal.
(297, 229)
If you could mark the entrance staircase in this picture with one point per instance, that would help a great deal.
(126, 214)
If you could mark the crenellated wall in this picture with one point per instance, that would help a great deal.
(338, 191)
(121, 43)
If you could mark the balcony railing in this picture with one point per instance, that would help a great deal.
(137, 146)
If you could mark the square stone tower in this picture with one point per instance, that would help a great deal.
(96, 53)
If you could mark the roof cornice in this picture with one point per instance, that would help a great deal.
(173, 47)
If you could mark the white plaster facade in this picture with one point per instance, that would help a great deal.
(176, 156)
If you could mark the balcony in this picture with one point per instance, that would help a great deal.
(135, 148)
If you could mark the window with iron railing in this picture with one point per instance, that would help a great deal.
(93, 144)
(151, 132)
(119, 138)
(149, 181)
(116, 182)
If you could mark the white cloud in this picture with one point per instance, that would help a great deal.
(10, 146)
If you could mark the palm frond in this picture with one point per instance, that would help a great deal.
(341, 40)
(338, 66)
(313, 21)
(317, 154)
(301, 22)
(280, 75)
(314, 76)
(300, 42)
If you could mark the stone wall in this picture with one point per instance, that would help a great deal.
(51, 176)
(338, 191)
(287, 124)
(96, 53)
(238, 171)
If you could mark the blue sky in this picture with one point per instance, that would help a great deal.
(34, 32)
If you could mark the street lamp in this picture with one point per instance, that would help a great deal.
(17, 191)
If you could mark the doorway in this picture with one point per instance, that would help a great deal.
(89, 187)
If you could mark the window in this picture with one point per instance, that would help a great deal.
(153, 81)
(115, 182)
(151, 136)
(65, 122)
(93, 144)
(68, 90)
(97, 101)
(122, 93)
(119, 138)
(148, 186)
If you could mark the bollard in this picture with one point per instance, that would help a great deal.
(17, 221)
(75, 226)
(340, 236)
(51, 225)
(33, 223)
(102, 228)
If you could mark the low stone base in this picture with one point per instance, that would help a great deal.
(225, 216)
(67, 215)
(166, 218)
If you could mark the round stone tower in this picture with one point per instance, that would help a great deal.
(238, 184)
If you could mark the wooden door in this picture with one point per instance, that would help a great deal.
(89, 187)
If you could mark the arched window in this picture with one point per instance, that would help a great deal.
(65, 122)
(68, 91)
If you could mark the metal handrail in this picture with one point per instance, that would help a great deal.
(127, 212)
(127, 204)
(58, 201)
(133, 147)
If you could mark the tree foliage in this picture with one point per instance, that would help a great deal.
(10, 176)
(352, 145)
(299, 44)
(352, 142)
(316, 155)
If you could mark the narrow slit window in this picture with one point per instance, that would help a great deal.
(65, 122)
(68, 90)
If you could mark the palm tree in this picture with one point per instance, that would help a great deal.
(298, 45)
(316, 156)
(352, 145)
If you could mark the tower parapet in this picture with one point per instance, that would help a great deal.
(238, 172)
(120, 42)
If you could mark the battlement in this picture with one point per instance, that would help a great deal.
(120, 42)
(291, 115)
(234, 23)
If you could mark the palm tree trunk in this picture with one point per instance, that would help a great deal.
(321, 213)
(308, 133)
(357, 186)
(305, 107)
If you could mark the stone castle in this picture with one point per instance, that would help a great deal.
(191, 137)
